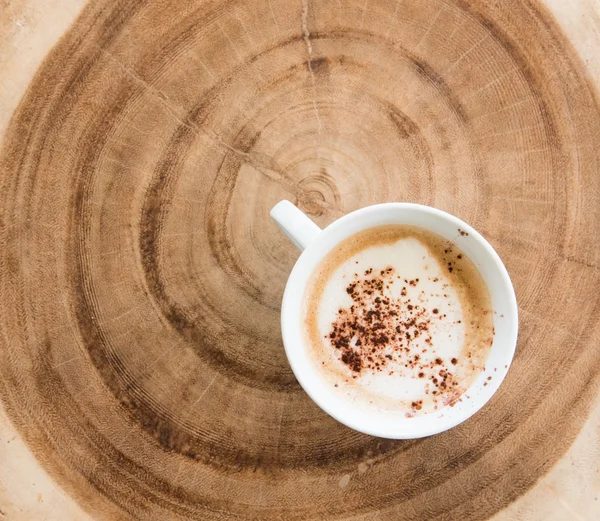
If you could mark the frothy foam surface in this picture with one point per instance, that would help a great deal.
(398, 318)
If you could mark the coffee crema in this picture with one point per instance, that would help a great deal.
(398, 318)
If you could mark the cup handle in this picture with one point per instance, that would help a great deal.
(295, 224)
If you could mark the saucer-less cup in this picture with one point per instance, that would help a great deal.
(315, 243)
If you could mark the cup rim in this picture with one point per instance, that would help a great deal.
(293, 346)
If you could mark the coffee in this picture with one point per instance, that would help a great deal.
(398, 318)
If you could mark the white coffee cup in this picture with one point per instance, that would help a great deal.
(316, 243)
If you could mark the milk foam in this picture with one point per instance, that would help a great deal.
(446, 297)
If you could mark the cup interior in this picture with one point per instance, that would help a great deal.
(487, 261)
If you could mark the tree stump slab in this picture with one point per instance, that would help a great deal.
(142, 372)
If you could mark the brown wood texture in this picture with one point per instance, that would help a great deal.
(140, 276)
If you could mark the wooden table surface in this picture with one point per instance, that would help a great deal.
(141, 371)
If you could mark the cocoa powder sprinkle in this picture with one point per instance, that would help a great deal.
(378, 330)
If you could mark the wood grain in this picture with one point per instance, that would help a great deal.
(141, 357)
